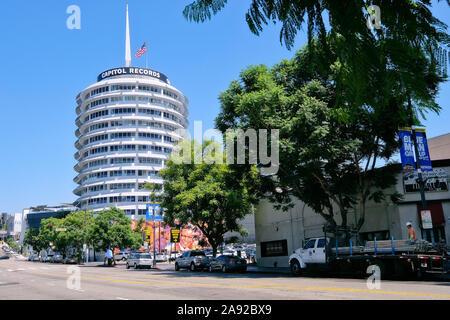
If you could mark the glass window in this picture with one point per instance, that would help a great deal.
(310, 244)
(321, 243)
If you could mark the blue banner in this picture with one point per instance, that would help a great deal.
(424, 153)
(153, 209)
(407, 149)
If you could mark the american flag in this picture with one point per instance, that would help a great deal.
(141, 51)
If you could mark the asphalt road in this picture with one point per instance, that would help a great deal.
(34, 280)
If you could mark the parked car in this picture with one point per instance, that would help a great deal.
(174, 255)
(227, 263)
(33, 257)
(121, 256)
(161, 257)
(140, 260)
(229, 253)
(56, 258)
(192, 260)
(4, 257)
(70, 260)
(46, 258)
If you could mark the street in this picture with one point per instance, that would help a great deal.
(34, 280)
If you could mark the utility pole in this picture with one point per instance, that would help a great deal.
(420, 179)
(154, 234)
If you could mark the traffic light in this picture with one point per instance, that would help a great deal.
(51, 226)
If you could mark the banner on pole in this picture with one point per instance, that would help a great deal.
(407, 149)
(424, 153)
(153, 208)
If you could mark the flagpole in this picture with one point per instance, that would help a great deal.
(146, 55)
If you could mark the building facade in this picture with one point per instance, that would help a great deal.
(14, 225)
(126, 129)
(31, 217)
(279, 233)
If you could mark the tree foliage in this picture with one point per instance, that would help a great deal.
(328, 151)
(404, 49)
(210, 196)
(111, 228)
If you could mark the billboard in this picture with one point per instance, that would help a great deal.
(189, 236)
(435, 180)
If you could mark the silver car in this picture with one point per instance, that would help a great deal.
(193, 260)
(139, 260)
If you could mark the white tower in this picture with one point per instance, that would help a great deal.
(126, 124)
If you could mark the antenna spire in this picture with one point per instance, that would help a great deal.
(127, 43)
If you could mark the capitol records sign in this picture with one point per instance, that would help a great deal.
(133, 71)
(435, 180)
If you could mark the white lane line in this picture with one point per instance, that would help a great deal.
(120, 298)
(9, 270)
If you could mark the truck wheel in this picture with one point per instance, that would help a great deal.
(193, 267)
(224, 269)
(177, 267)
(128, 266)
(296, 270)
(419, 274)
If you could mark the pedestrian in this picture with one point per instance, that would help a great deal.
(411, 232)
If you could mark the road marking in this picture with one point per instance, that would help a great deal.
(267, 286)
(119, 298)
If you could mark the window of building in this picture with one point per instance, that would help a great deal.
(123, 87)
(274, 248)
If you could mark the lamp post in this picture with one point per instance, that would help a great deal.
(154, 236)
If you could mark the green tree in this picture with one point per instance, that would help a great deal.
(210, 196)
(111, 228)
(76, 229)
(325, 160)
(32, 239)
(49, 238)
(12, 244)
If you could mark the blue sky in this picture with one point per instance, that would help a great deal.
(45, 65)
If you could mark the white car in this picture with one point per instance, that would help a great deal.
(161, 257)
(140, 260)
(121, 256)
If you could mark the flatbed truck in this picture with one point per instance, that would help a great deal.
(399, 258)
